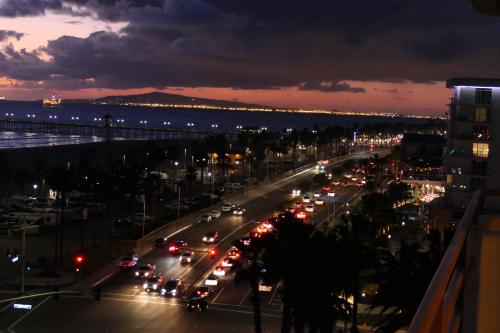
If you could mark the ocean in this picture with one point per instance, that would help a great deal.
(221, 120)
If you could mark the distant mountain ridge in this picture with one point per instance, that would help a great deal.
(164, 98)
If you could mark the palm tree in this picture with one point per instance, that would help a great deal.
(403, 279)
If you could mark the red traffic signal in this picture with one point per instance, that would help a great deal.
(79, 259)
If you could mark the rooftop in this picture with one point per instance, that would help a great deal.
(472, 81)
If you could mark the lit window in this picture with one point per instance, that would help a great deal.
(480, 149)
(481, 115)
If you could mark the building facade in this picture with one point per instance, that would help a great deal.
(471, 159)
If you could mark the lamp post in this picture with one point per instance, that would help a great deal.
(212, 180)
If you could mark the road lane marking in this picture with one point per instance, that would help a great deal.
(264, 314)
(6, 307)
(245, 297)
(274, 294)
(220, 292)
(10, 329)
(215, 245)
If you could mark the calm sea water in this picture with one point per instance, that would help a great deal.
(222, 120)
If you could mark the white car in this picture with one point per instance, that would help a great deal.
(227, 207)
(306, 199)
(215, 214)
(239, 211)
(319, 202)
(310, 208)
(211, 280)
(187, 257)
(317, 195)
(296, 192)
(219, 271)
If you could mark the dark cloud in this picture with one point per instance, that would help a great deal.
(262, 44)
(7, 34)
(12, 8)
(329, 86)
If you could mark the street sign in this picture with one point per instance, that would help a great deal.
(22, 306)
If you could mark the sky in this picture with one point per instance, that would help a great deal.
(356, 55)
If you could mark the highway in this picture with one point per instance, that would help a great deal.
(126, 307)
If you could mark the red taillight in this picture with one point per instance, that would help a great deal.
(172, 248)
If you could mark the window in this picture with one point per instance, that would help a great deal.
(480, 149)
(480, 167)
(480, 133)
(483, 96)
(481, 115)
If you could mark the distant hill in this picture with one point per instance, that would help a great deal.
(164, 98)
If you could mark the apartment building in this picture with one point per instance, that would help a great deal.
(471, 158)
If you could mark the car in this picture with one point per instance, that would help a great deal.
(310, 208)
(319, 202)
(177, 247)
(160, 242)
(251, 180)
(316, 194)
(325, 189)
(145, 271)
(336, 183)
(187, 257)
(301, 215)
(239, 211)
(227, 207)
(219, 271)
(262, 229)
(296, 192)
(227, 262)
(265, 287)
(211, 280)
(246, 240)
(128, 261)
(123, 221)
(298, 205)
(306, 199)
(203, 292)
(153, 283)
(215, 214)
(211, 237)
(234, 254)
(198, 304)
(172, 287)
(205, 218)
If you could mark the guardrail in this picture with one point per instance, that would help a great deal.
(442, 305)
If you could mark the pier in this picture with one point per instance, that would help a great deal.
(104, 131)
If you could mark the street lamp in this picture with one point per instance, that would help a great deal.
(212, 180)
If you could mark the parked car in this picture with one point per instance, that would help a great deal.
(205, 218)
(215, 214)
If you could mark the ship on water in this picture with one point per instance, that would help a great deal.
(53, 101)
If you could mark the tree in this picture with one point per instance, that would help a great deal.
(398, 192)
(403, 279)
(20, 178)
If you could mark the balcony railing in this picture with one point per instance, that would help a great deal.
(441, 308)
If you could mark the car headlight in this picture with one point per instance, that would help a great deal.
(163, 291)
(204, 239)
(174, 292)
(136, 273)
(145, 286)
(146, 274)
(155, 286)
(211, 239)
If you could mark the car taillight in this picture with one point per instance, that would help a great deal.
(172, 248)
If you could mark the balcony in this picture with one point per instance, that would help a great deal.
(464, 295)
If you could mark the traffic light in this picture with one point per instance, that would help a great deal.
(79, 260)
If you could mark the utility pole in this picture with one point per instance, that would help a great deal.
(179, 202)
(23, 258)
(143, 221)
